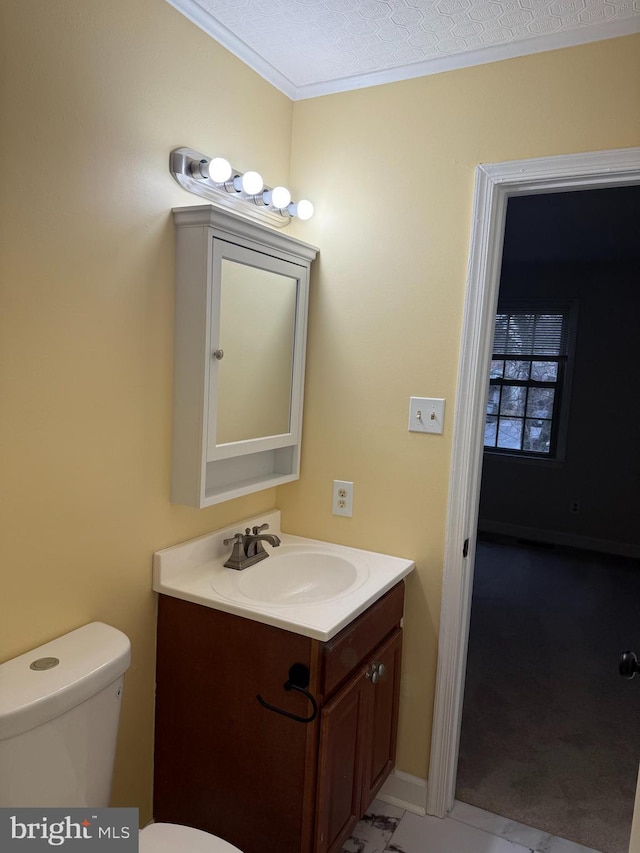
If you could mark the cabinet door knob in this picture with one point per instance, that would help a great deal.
(218, 354)
(375, 672)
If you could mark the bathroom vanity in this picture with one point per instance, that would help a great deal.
(270, 734)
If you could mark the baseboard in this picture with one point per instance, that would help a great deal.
(406, 791)
(558, 537)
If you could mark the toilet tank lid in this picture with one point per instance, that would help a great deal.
(90, 658)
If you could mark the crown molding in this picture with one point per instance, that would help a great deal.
(198, 16)
(468, 59)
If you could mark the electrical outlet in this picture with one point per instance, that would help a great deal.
(342, 498)
(575, 506)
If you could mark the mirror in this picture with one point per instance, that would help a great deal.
(257, 330)
(257, 342)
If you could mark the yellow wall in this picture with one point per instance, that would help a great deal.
(94, 96)
(391, 172)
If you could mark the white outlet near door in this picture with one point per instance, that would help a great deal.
(342, 498)
(426, 414)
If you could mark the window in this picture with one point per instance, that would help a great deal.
(527, 381)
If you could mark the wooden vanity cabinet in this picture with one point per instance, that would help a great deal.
(261, 780)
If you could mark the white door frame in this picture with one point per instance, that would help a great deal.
(495, 183)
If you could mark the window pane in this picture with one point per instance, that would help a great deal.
(510, 433)
(493, 403)
(540, 403)
(537, 435)
(517, 370)
(513, 400)
(490, 431)
(497, 368)
(544, 371)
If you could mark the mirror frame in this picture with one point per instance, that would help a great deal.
(199, 478)
(223, 250)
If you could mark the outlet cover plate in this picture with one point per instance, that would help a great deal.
(426, 414)
(342, 498)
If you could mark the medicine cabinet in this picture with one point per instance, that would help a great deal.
(240, 339)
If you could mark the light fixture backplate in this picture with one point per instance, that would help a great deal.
(251, 207)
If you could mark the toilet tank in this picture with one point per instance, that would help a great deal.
(59, 712)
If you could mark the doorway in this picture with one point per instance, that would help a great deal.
(495, 184)
(549, 735)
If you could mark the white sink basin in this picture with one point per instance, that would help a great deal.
(306, 586)
(294, 575)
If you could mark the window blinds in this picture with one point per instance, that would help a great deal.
(528, 334)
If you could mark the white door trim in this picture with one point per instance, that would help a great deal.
(495, 183)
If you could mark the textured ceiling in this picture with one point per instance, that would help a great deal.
(314, 47)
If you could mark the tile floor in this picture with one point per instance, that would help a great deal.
(389, 829)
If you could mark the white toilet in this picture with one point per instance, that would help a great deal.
(59, 712)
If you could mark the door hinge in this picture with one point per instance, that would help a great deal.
(465, 548)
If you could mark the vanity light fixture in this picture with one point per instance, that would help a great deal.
(215, 179)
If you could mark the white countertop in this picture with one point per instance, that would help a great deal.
(194, 571)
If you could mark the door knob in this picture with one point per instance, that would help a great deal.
(628, 665)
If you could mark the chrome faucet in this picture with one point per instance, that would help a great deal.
(248, 548)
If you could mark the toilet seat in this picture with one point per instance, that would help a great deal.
(172, 837)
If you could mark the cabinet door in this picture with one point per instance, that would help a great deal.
(223, 763)
(340, 764)
(358, 732)
(383, 697)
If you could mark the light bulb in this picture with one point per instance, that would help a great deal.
(280, 197)
(250, 183)
(303, 209)
(219, 170)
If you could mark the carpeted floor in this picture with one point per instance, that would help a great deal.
(550, 731)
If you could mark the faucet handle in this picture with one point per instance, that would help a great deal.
(238, 555)
(257, 530)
